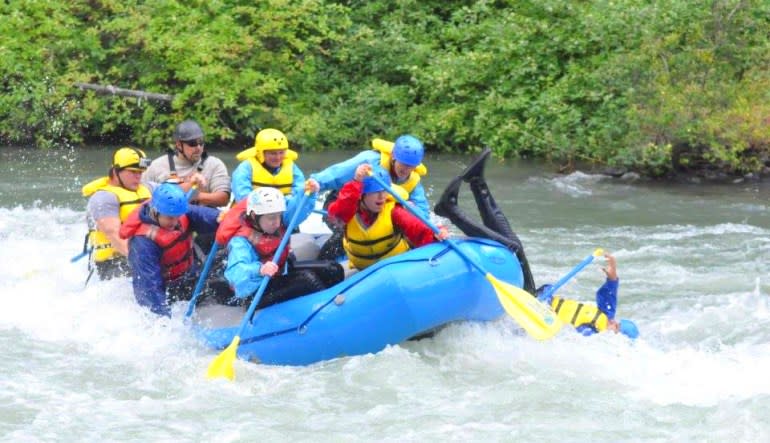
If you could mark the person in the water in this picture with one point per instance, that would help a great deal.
(591, 318)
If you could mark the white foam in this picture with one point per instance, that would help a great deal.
(81, 359)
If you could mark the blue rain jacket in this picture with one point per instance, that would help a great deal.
(606, 301)
(335, 176)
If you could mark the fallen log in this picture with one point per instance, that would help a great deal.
(112, 90)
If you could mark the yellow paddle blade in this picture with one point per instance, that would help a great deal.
(222, 365)
(537, 319)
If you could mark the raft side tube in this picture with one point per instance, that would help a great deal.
(387, 303)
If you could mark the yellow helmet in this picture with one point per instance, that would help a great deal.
(270, 140)
(130, 158)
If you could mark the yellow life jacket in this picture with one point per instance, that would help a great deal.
(365, 246)
(578, 314)
(261, 177)
(385, 148)
(128, 200)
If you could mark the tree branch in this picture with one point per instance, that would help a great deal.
(112, 90)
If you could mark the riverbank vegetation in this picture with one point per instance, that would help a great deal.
(654, 86)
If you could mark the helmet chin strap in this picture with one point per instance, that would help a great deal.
(120, 180)
(253, 221)
(392, 171)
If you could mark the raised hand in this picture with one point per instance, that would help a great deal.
(611, 269)
(362, 171)
(312, 186)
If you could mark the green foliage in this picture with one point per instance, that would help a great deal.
(702, 85)
(231, 66)
(656, 86)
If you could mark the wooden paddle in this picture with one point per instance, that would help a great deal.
(536, 318)
(222, 365)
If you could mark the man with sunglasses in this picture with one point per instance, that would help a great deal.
(110, 200)
(190, 165)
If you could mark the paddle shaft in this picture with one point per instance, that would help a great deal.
(206, 266)
(81, 255)
(202, 279)
(586, 261)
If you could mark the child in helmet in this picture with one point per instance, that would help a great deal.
(590, 318)
(159, 235)
(252, 231)
(375, 226)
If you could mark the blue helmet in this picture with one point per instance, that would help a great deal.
(408, 150)
(628, 328)
(371, 185)
(169, 199)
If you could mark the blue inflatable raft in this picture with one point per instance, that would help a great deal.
(396, 299)
(391, 301)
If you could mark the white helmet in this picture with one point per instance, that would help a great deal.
(265, 201)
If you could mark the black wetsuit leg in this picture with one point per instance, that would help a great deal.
(292, 285)
(330, 272)
(116, 267)
(332, 248)
(182, 287)
(495, 224)
(204, 242)
(215, 290)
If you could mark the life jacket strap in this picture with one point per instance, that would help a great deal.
(374, 241)
(382, 254)
(577, 312)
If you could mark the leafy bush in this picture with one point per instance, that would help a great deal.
(654, 86)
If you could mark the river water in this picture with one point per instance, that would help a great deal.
(87, 364)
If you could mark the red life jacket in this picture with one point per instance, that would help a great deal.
(176, 244)
(230, 223)
(265, 244)
(234, 225)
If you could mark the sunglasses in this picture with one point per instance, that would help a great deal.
(193, 143)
